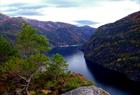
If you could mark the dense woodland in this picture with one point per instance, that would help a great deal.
(116, 46)
(26, 70)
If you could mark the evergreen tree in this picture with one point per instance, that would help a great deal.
(29, 42)
(6, 49)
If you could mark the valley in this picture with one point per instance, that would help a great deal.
(107, 57)
(112, 82)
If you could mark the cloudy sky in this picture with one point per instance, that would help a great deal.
(79, 12)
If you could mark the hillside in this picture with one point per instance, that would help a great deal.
(58, 33)
(117, 46)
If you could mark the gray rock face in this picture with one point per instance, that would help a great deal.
(87, 90)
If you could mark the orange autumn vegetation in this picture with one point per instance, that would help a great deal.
(26, 70)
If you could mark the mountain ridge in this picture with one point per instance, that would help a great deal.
(116, 46)
(58, 33)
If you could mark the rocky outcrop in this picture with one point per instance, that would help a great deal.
(116, 46)
(87, 90)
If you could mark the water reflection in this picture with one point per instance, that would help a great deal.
(75, 59)
(77, 63)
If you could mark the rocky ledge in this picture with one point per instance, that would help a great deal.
(87, 90)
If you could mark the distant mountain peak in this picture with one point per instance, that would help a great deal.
(3, 17)
(58, 33)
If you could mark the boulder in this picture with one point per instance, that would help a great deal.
(87, 90)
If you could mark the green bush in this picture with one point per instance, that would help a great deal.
(32, 70)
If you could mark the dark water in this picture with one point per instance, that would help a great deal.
(117, 85)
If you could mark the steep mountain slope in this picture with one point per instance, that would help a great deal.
(117, 46)
(58, 33)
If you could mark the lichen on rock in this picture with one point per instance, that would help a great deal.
(87, 90)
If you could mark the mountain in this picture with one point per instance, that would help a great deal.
(58, 33)
(116, 46)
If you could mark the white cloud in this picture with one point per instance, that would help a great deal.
(101, 11)
(5, 2)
